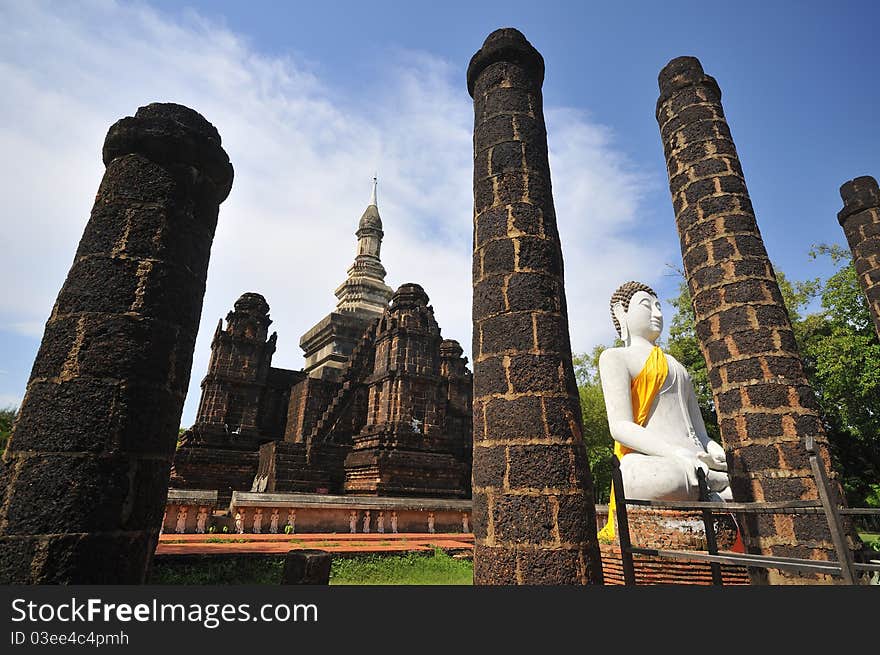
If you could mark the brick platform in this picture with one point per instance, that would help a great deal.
(663, 571)
(340, 544)
(668, 530)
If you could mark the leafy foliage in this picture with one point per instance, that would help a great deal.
(841, 355)
(683, 345)
(7, 418)
(597, 436)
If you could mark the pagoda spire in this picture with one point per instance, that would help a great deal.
(363, 297)
(365, 291)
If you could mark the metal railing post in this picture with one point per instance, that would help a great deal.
(708, 526)
(626, 556)
(844, 557)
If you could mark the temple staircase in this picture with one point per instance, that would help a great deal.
(360, 365)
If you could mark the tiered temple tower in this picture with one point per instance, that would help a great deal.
(362, 299)
(244, 404)
(240, 359)
(458, 395)
(406, 447)
(396, 423)
(378, 381)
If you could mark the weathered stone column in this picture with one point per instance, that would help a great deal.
(860, 220)
(534, 517)
(765, 406)
(84, 480)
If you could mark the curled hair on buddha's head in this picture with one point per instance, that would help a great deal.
(623, 295)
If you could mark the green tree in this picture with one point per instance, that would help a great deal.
(597, 436)
(7, 417)
(683, 345)
(841, 355)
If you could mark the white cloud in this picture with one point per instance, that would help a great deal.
(597, 197)
(10, 400)
(303, 161)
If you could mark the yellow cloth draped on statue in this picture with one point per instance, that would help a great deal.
(643, 390)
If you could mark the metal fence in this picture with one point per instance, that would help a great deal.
(844, 568)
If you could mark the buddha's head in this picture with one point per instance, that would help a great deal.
(636, 311)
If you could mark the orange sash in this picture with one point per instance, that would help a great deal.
(643, 390)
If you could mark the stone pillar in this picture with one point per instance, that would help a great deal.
(534, 516)
(85, 477)
(860, 220)
(307, 567)
(765, 406)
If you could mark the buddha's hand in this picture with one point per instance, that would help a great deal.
(717, 458)
(692, 461)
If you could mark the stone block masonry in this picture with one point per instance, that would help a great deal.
(412, 440)
(766, 408)
(860, 220)
(84, 479)
(534, 515)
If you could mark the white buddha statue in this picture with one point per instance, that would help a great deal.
(653, 415)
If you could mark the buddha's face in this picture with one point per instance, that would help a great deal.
(644, 317)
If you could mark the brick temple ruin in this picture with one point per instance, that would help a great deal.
(379, 430)
(381, 408)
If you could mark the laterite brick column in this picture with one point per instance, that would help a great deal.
(534, 517)
(84, 480)
(860, 220)
(765, 406)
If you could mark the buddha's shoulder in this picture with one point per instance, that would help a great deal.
(611, 354)
(673, 362)
(615, 357)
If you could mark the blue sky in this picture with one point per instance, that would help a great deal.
(311, 98)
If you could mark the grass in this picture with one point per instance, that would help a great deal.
(871, 540)
(208, 571)
(435, 568)
(409, 569)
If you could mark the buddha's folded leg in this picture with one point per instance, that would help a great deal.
(646, 477)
